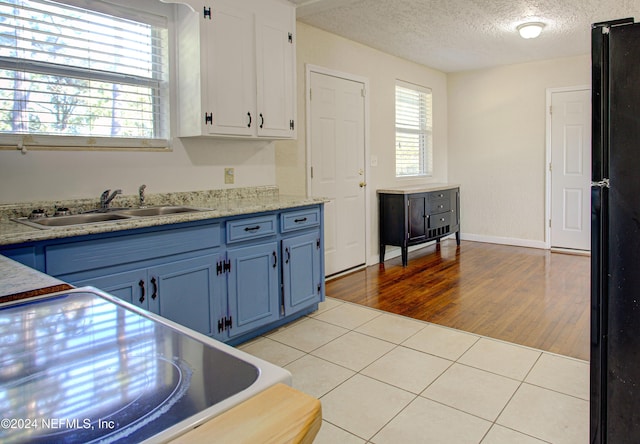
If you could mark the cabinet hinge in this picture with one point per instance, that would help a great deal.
(292, 125)
(223, 267)
(319, 287)
(208, 118)
(207, 12)
(318, 243)
(290, 38)
(225, 324)
(363, 92)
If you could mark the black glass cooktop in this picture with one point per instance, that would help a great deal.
(78, 368)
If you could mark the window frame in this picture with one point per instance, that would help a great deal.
(153, 13)
(425, 132)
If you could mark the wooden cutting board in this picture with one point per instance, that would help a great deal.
(280, 414)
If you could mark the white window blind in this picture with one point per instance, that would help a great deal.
(414, 152)
(88, 76)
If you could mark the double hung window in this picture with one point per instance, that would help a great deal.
(414, 126)
(82, 73)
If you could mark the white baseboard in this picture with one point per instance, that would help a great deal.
(504, 241)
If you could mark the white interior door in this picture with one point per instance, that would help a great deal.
(337, 147)
(571, 169)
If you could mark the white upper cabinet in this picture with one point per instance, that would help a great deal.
(236, 69)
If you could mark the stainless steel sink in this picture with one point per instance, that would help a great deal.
(109, 215)
(78, 219)
(156, 211)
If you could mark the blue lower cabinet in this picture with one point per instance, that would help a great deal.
(182, 292)
(228, 278)
(130, 286)
(301, 272)
(253, 298)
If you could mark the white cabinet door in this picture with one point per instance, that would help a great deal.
(236, 69)
(230, 72)
(275, 75)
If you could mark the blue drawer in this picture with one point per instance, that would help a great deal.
(297, 220)
(251, 228)
(92, 254)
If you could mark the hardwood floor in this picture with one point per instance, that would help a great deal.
(526, 296)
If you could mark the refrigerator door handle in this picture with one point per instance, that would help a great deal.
(604, 183)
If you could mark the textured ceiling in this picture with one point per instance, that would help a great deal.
(461, 35)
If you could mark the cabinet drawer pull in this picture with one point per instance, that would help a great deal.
(257, 227)
(442, 219)
(303, 219)
(249, 124)
(286, 250)
(261, 120)
(154, 295)
(141, 284)
(275, 259)
(440, 206)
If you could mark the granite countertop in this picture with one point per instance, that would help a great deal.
(18, 281)
(214, 203)
(421, 188)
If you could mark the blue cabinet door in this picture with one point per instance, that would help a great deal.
(130, 286)
(182, 291)
(253, 287)
(301, 271)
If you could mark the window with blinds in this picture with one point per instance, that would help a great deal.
(88, 72)
(414, 151)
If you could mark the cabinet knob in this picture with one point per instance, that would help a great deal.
(362, 184)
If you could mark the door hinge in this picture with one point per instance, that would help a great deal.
(312, 172)
(207, 12)
(549, 223)
(550, 166)
(551, 110)
(208, 118)
(363, 92)
(290, 38)
(292, 125)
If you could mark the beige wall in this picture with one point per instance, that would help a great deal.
(192, 165)
(497, 146)
(317, 47)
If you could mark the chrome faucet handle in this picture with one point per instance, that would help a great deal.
(141, 194)
(103, 197)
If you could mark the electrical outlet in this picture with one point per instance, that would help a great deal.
(229, 175)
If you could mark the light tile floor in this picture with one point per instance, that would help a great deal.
(383, 378)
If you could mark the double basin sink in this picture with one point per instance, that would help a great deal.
(109, 215)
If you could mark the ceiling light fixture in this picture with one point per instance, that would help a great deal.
(530, 30)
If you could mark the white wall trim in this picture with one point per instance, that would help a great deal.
(548, 189)
(309, 68)
(504, 240)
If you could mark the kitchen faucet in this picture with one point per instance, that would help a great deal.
(141, 194)
(105, 198)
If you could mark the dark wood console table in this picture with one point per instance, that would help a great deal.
(416, 214)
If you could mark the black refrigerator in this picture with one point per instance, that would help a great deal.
(615, 233)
